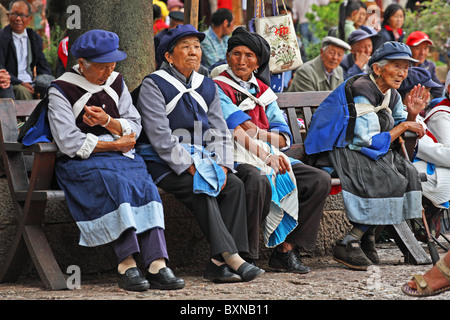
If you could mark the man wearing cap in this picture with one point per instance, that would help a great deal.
(21, 51)
(110, 195)
(361, 45)
(324, 72)
(419, 43)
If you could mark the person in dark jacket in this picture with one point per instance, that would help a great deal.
(393, 20)
(21, 51)
(5, 84)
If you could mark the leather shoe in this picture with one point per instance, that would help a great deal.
(220, 274)
(164, 280)
(132, 280)
(287, 261)
(249, 271)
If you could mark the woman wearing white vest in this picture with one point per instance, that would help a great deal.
(189, 152)
(108, 190)
(285, 196)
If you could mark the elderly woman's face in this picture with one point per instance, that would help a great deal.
(96, 73)
(392, 74)
(186, 55)
(242, 62)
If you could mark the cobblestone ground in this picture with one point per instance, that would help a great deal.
(328, 280)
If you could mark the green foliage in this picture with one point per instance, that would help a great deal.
(321, 21)
(51, 49)
(433, 18)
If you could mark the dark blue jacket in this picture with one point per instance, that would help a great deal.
(8, 55)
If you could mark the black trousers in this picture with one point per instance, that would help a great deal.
(313, 187)
(222, 219)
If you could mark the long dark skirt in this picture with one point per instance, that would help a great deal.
(109, 193)
(383, 192)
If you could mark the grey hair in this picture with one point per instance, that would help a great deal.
(381, 64)
(86, 63)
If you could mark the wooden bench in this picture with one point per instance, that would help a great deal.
(302, 105)
(30, 194)
(31, 188)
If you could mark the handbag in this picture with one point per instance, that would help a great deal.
(279, 32)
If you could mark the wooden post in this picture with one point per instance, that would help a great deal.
(237, 11)
(250, 11)
(191, 12)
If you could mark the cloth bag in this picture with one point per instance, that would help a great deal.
(279, 32)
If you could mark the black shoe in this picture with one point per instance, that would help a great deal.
(368, 246)
(248, 271)
(132, 280)
(220, 274)
(164, 279)
(351, 255)
(287, 261)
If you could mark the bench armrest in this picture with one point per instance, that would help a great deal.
(35, 148)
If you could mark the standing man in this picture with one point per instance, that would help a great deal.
(214, 47)
(324, 72)
(21, 51)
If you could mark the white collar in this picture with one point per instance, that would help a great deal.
(24, 34)
(244, 84)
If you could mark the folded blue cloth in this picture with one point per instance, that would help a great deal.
(209, 176)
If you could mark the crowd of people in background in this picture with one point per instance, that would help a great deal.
(366, 51)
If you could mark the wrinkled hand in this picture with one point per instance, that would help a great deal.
(126, 142)
(94, 116)
(360, 58)
(279, 164)
(417, 99)
(415, 127)
(5, 79)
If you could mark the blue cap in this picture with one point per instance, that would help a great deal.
(415, 76)
(169, 40)
(98, 46)
(392, 50)
(360, 34)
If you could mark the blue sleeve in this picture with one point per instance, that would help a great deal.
(231, 112)
(276, 120)
(368, 138)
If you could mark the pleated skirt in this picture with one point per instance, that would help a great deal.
(109, 193)
(383, 192)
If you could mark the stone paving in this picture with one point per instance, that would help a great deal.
(328, 280)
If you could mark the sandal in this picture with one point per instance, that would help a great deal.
(425, 290)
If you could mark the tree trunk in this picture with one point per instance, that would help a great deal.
(132, 21)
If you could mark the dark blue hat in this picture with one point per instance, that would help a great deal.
(169, 40)
(98, 46)
(415, 76)
(360, 34)
(392, 50)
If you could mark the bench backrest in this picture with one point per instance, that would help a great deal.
(299, 105)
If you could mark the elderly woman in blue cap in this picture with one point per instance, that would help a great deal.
(189, 152)
(108, 190)
(379, 186)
